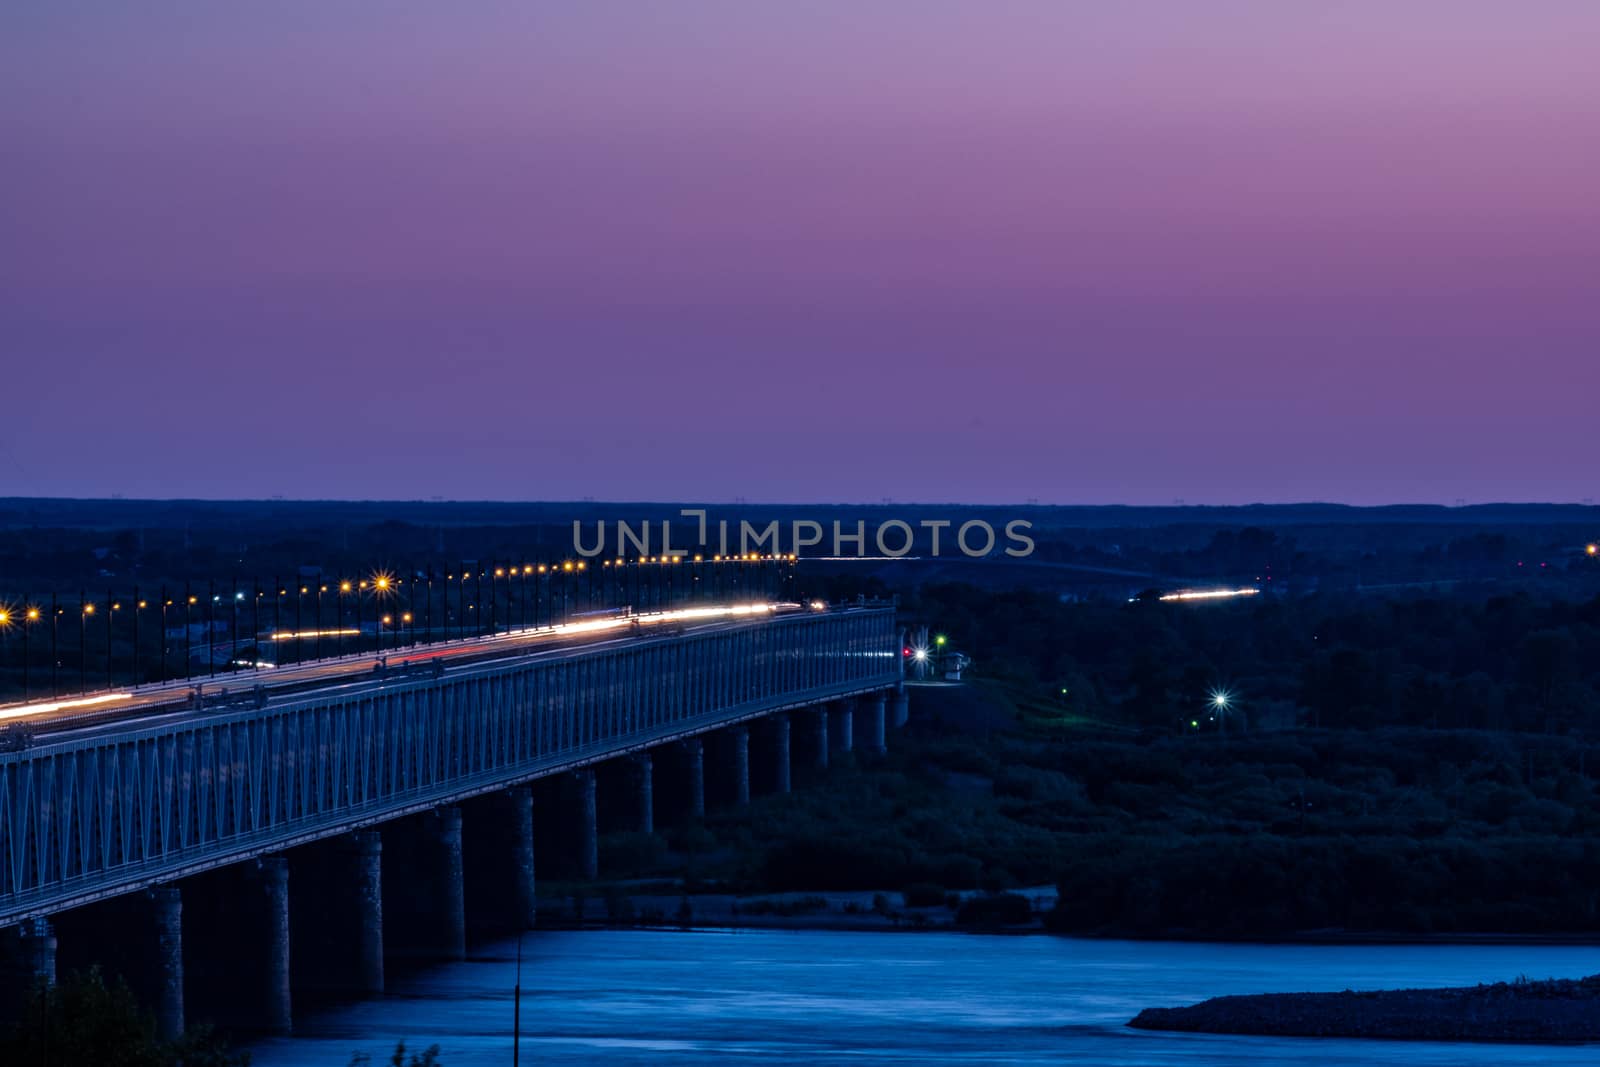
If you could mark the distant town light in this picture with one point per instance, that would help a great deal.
(1211, 594)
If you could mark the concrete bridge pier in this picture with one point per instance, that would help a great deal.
(845, 727)
(272, 875)
(902, 707)
(498, 862)
(236, 945)
(336, 924)
(367, 846)
(741, 765)
(138, 938)
(442, 829)
(780, 728)
(423, 899)
(166, 904)
(588, 826)
(695, 750)
(872, 707)
(525, 885)
(645, 768)
(821, 719)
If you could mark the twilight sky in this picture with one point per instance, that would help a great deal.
(990, 250)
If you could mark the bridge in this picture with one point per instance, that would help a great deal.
(134, 823)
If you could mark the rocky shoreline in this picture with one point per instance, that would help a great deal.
(1558, 1011)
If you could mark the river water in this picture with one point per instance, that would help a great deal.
(776, 997)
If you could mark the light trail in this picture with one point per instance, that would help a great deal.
(306, 635)
(340, 669)
(63, 705)
(1211, 594)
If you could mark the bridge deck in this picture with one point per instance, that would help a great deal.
(99, 811)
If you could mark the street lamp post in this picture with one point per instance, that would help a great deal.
(338, 626)
(85, 609)
(112, 607)
(165, 604)
(494, 599)
(411, 604)
(138, 606)
(211, 629)
(29, 617)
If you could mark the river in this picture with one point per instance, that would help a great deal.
(775, 997)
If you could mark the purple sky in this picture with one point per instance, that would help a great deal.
(827, 251)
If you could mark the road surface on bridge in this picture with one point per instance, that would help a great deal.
(117, 708)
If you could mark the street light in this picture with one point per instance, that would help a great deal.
(382, 586)
(5, 628)
(1221, 704)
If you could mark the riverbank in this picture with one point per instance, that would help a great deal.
(848, 910)
(887, 910)
(1555, 1011)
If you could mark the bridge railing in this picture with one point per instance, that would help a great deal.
(113, 810)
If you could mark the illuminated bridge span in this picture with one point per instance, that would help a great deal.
(141, 833)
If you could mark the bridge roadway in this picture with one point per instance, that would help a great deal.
(41, 717)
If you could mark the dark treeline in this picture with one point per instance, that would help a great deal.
(59, 545)
(1408, 831)
(1513, 661)
(1416, 765)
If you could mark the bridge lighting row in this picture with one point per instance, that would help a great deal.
(522, 603)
